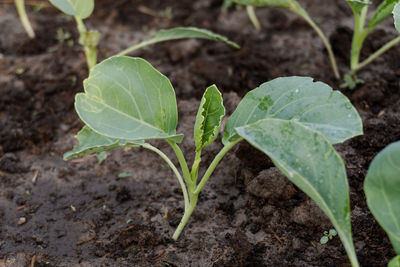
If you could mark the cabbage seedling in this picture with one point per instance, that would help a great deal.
(295, 7)
(127, 103)
(362, 29)
(20, 4)
(82, 9)
(382, 189)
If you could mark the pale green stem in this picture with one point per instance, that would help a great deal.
(253, 17)
(359, 36)
(375, 55)
(138, 46)
(214, 164)
(24, 18)
(175, 170)
(183, 164)
(186, 216)
(195, 166)
(90, 51)
(302, 13)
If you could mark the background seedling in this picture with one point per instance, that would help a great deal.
(328, 236)
(382, 189)
(362, 29)
(82, 9)
(295, 7)
(127, 102)
(20, 4)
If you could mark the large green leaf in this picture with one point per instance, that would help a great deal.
(382, 189)
(91, 142)
(357, 5)
(383, 11)
(308, 159)
(312, 104)
(180, 33)
(209, 118)
(396, 16)
(79, 8)
(269, 3)
(126, 98)
(395, 262)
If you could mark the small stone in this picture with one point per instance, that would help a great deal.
(21, 221)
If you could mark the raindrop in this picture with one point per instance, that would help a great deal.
(296, 91)
(348, 106)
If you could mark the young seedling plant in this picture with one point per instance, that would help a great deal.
(293, 6)
(327, 236)
(128, 103)
(82, 9)
(382, 189)
(361, 31)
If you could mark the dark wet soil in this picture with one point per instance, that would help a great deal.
(79, 213)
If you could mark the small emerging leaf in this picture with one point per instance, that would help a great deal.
(332, 232)
(307, 159)
(395, 262)
(124, 175)
(324, 240)
(268, 3)
(127, 98)
(382, 12)
(357, 5)
(396, 16)
(382, 189)
(79, 8)
(209, 118)
(298, 98)
(91, 142)
(180, 33)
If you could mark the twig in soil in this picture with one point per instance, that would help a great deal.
(20, 207)
(85, 241)
(33, 261)
(35, 176)
(158, 256)
(219, 258)
(275, 235)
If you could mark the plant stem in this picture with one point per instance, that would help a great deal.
(195, 167)
(136, 47)
(302, 13)
(183, 164)
(24, 18)
(253, 17)
(174, 169)
(214, 164)
(186, 216)
(90, 50)
(375, 55)
(359, 36)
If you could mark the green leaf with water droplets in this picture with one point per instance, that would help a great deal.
(127, 98)
(313, 104)
(79, 8)
(396, 16)
(382, 189)
(395, 262)
(209, 118)
(383, 11)
(309, 160)
(91, 142)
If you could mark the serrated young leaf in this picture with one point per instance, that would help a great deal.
(396, 16)
(357, 5)
(209, 118)
(382, 190)
(383, 11)
(298, 98)
(180, 33)
(395, 262)
(308, 159)
(79, 8)
(127, 98)
(268, 3)
(91, 142)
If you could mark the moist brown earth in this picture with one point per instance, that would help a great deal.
(80, 213)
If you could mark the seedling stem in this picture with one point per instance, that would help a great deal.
(253, 17)
(89, 40)
(24, 18)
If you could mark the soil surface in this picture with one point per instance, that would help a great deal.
(80, 213)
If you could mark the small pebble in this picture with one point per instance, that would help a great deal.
(21, 220)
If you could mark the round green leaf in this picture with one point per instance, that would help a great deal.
(313, 104)
(79, 8)
(209, 118)
(382, 12)
(395, 262)
(126, 98)
(382, 189)
(309, 160)
(324, 240)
